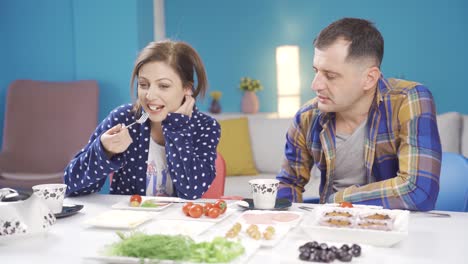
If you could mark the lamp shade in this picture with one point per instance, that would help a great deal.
(288, 81)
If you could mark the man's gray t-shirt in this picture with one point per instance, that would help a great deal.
(350, 167)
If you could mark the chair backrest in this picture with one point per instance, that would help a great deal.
(216, 189)
(46, 123)
(453, 183)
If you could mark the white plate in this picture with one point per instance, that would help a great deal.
(355, 206)
(177, 214)
(250, 249)
(281, 228)
(359, 236)
(271, 217)
(125, 205)
(13, 239)
(120, 219)
(280, 233)
(177, 227)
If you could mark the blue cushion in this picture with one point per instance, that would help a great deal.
(453, 193)
(312, 200)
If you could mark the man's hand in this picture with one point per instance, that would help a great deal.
(187, 107)
(116, 140)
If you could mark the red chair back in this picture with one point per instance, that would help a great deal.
(216, 189)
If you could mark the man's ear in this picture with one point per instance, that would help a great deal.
(371, 77)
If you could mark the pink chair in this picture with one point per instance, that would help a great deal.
(216, 189)
(46, 123)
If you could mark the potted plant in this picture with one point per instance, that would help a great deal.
(250, 86)
(215, 106)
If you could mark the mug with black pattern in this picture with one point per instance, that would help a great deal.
(53, 195)
(264, 193)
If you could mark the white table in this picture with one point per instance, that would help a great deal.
(430, 240)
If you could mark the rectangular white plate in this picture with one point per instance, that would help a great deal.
(177, 227)
(281, 228)
(359, 236)
(272, 217)
(125, 205)
(250, 249)
(177, 214)
(120, 219)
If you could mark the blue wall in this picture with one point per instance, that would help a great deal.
(425, 41)
(64, 40)
(86, 39)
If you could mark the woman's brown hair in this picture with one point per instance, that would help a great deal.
(181, 57)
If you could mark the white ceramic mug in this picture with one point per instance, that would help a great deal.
(264, 192)
(53, 195)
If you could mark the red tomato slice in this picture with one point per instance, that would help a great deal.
(207, 207)
(346, 204)
(135, 200)
(196, 211)
(135, 197)
(186, 208)
(221, 205)
(213, 212)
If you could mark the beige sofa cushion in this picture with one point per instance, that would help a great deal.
(450, 129)
(239, 185)
(268, 138)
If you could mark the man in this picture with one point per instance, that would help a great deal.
(375, 141)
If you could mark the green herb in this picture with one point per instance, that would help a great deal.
(152, 246)
(165, 247)
(218, 250)
(150, 203)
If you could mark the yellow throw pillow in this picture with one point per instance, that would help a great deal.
(235, 148)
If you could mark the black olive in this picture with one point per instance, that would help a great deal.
(333, 249)
(304, 255)
(356, 246)
(315, 257)
(309, 244)
(324, 256)
(345, 247)
(355, 252)
(345, 256)
(314, 244)
(331, 256)
(304, 248)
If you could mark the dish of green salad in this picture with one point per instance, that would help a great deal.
(178, 248)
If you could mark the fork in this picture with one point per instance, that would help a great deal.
(144, 116)
(306, 208)
(435, 214)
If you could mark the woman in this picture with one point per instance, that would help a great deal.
(173, 152)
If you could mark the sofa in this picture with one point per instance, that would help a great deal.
(267, 138)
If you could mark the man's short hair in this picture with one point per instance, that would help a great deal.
(366, 40)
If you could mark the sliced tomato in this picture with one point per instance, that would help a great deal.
(196, 211)
(135, 200)
(135, 197)
(186, 208)
(213, 212)
(346, 204)
(207, 208)
(221, 205)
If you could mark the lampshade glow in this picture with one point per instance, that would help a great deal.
(288, 81)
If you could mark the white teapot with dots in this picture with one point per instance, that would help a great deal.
(24, 217)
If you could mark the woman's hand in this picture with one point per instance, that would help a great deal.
(116, 140)
(187, 107)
